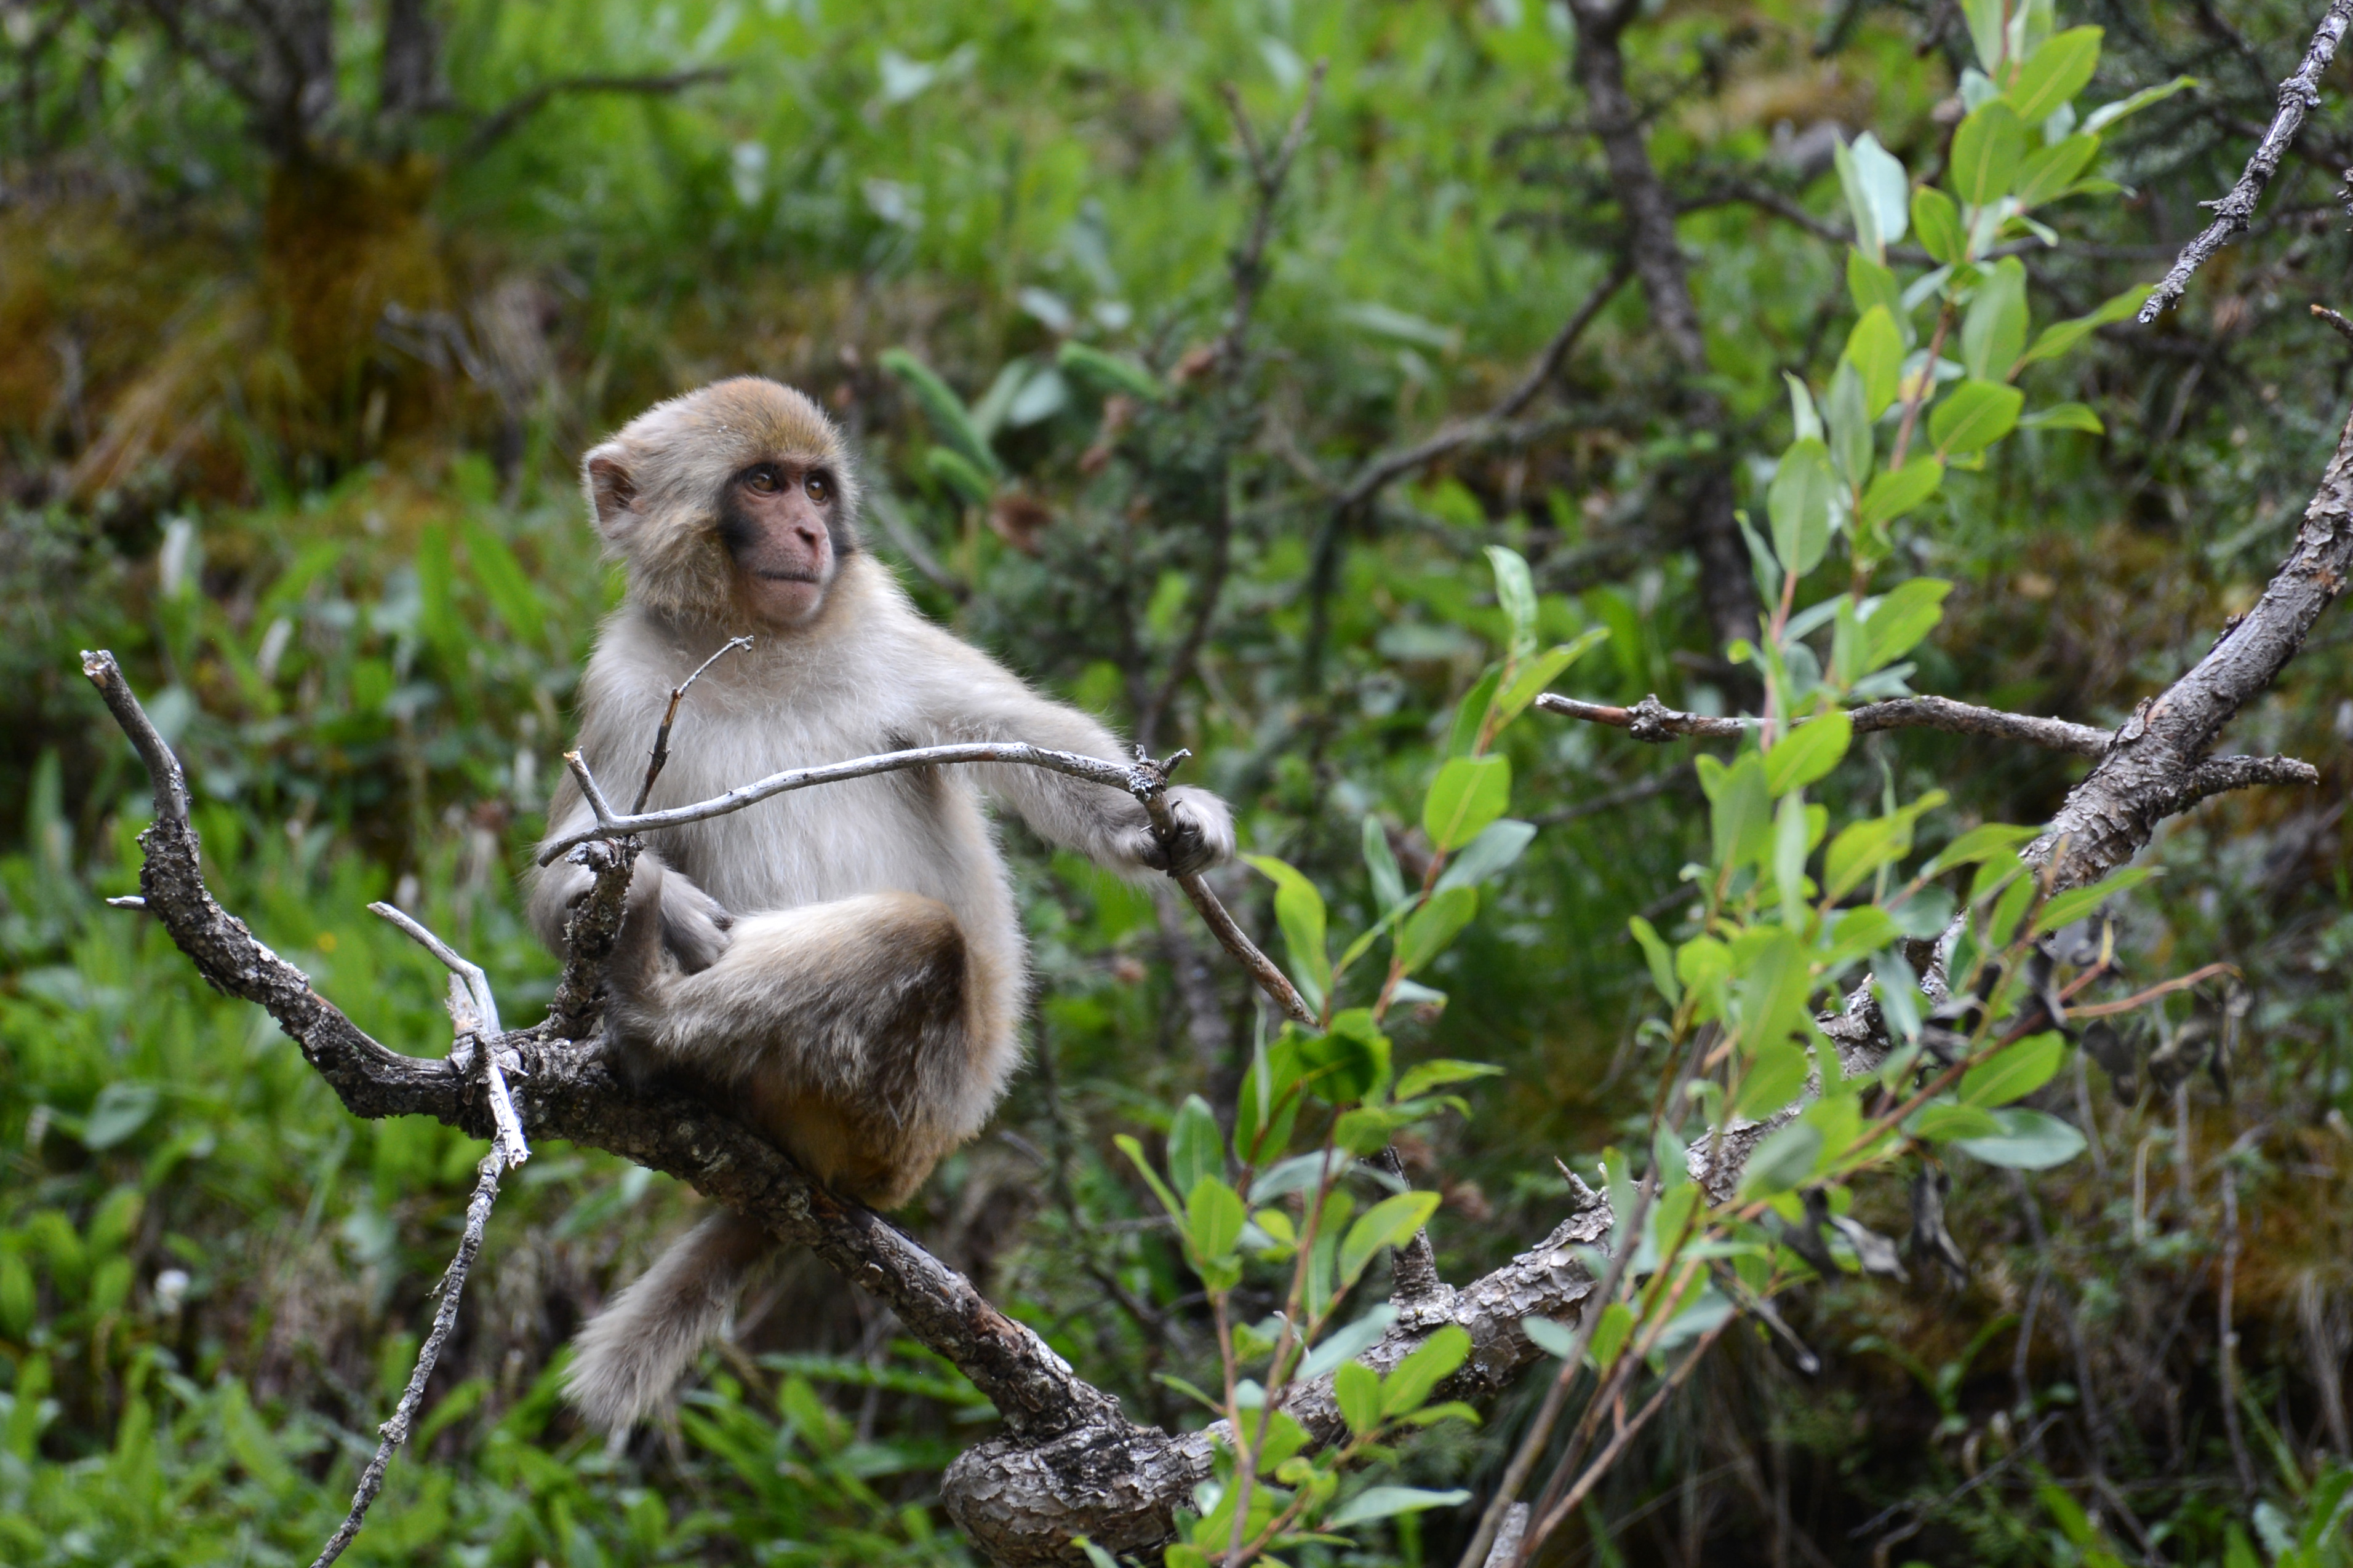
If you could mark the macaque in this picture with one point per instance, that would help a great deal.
(842, 966)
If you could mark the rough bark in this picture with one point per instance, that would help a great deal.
(2154, 769)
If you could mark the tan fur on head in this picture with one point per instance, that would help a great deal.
(655, 487)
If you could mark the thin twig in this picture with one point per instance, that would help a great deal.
(496, 126)
(2299, 94)
(479, 1019)
(395, 1432)
(1268, 173)
(1379, 470)
(660, 756)
(1653, 721)
(1486, 1542)
(2333, 320)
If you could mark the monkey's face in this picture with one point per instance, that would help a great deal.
(778, 522)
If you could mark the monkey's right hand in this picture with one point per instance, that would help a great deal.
(694, 924)
(1204, 834)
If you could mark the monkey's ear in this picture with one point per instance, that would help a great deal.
(612, 492)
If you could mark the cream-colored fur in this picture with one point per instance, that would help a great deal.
(844, 965)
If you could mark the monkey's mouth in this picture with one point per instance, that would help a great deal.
(809, 577)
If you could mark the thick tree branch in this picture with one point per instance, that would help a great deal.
(2298, 96)
(2158, 766)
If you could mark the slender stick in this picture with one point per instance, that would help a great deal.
(2298, 96)
(660, 757)
(395, 1432)
(481, 1020)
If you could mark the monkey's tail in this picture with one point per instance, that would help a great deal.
(629, 1356)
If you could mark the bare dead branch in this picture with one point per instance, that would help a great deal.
(1269, 173)
(475, 1012)
(1378, 471)
(611, 824)
(503, 122)
(660, 756)
(2157, 765)
(2333, 320)
(1650, 719)
(2299, 94)
(394, 1431)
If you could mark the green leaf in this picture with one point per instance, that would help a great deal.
(2060, 70)
(1541, 672)
(1515, 590)
(952, 469)
(1847, 409)
(1741, 816)
(2014, 1072)
(1195, 1149)
(1799, 501)
(1609, 1336)
(1410, 1382)
(1901, 618)
(1785, 1159)
(1387, 1503)
(1661, 963)
(1110, 372)
(2029, 1140)
(1938, 223)
(1863, 847)
(1348, 1342)
(1471, 714)
(2077, 902)
(1467, 794)
(945, 409)
(1266, 1106)
(1299, 910)
(1348, 1063)
(1993, 334)
(121, 1109)
(2107, 114)
(1986, 149)
(2064, 416)
(2061, 336)
(1806, 423)
(1776, 1073)
(1356, 1389)
(1875, 349)
(1389, 1223)
(1985, 18)
(1432, 928)
(2050, 171)
(1807, 753)
(1775, 978)
(505, 584)
(1973, 416)
(1423, 1077)
(1556, 1339)
(1876, 189)
(1897, 491)
(1980, 844)
(1380, 861)
(1869, 283)
(1943, 1120)
(1128, 1146)
(1498, 845)
(1213, 1219)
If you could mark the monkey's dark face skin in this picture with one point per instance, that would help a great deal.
(782, 524)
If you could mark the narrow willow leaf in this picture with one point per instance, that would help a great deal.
(1987, 150)
(1973, 416)
(2060, 70)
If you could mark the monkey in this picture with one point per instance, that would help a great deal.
(843, 967)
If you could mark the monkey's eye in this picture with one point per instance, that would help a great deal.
(819, 486)
(762, 482)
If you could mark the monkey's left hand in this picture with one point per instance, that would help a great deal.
(1204, 836)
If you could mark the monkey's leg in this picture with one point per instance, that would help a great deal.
(849, 1029)
(628, 1358)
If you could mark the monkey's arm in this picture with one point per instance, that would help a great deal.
(972, 698)
(693, 923)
